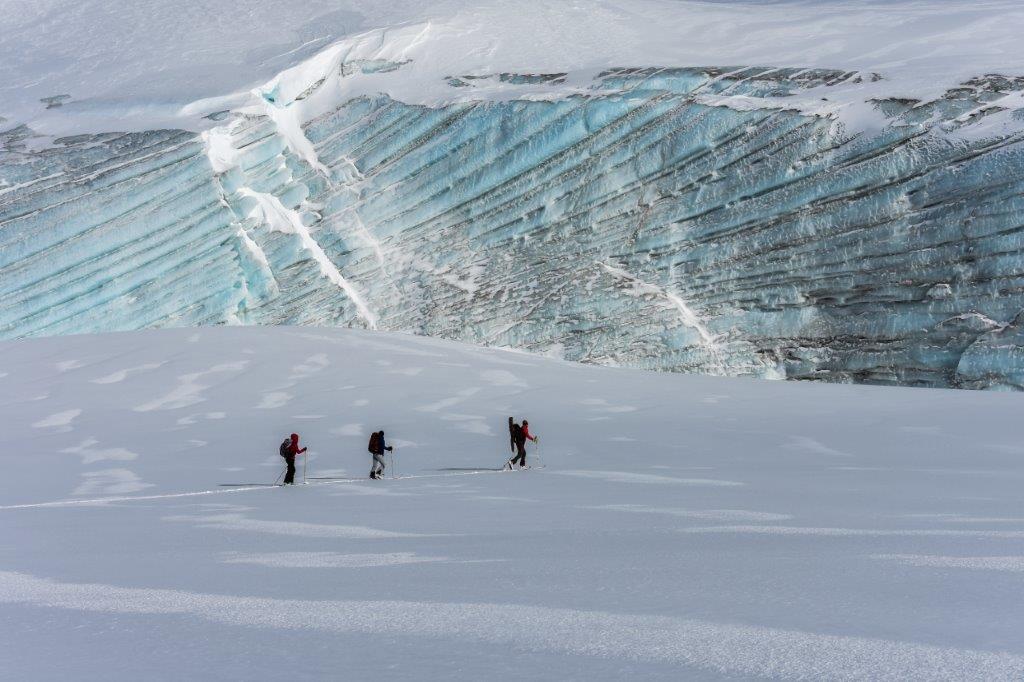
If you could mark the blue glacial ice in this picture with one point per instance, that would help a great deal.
(671, 219)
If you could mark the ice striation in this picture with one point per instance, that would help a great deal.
(680, 219)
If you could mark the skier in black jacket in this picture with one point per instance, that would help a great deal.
(377, 468)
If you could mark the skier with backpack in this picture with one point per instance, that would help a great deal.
(377, 447)
(289, 449)
(518, 435)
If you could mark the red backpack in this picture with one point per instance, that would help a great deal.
(374, 443)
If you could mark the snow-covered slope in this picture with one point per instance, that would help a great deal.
(836, 195)
(85, 66)
(684, 527)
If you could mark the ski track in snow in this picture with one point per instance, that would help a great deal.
(329, 559)
(815, 446)
(1012, 564)
(957, 518)
(858, 532)
(706, 514)
(238, 489)
(629, 477)
(723, 648)
(308, 530)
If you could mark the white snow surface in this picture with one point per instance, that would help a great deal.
(780, 530)
(155, 63)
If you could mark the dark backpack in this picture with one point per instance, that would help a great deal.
(374, 443)
(286, 448)
(517, 434)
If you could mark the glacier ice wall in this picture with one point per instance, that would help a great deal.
(671, 219)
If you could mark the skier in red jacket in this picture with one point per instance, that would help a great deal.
(526, 431)
(519, 435)
(288, 451)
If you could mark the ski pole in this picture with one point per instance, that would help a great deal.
(305, 458)
(536, 452)
(280, 476)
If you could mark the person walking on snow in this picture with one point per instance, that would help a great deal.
(519, 436)
(377, 448)
(289, 449)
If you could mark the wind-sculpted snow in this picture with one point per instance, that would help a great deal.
(685, 643)
(671, 219)
(671, 527)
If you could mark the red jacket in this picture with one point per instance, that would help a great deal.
(293, 449)
(526, 432)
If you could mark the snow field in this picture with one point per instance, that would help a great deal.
(682, 528)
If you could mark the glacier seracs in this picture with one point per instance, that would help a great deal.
(775, 221)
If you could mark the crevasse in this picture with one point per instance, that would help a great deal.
(671, 219)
